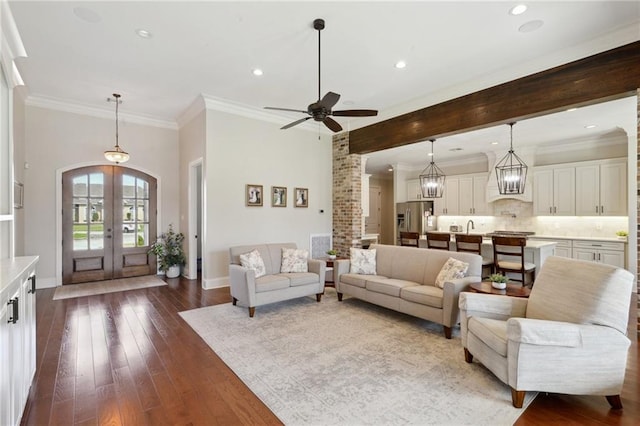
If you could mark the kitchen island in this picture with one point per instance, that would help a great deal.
(536, 251)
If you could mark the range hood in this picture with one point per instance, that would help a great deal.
(493, 194)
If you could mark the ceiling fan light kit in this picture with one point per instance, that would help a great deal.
(321, 110)
(511, 171)
(432, 179)
(116, 155)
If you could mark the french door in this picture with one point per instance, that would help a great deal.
(108, 223)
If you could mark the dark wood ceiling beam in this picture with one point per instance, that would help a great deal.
(606, 76)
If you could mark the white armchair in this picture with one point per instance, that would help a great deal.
(568, 337)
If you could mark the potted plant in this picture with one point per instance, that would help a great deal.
(168, 249)
(332, 253)
(622, 235)
(498, 281)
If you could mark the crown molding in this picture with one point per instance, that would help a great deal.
(196, 107)
(237, 108)
(92, 111)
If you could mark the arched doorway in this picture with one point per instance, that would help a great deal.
(108, 223)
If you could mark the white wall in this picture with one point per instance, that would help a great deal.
(57, 140)
(242, 151)
(18, 161)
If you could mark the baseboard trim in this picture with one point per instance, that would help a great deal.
(209, 284)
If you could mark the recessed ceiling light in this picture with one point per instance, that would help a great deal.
(390, 169)
(348, 102)
(572, 109)
(257, 72)
(142, 33)
(430, 154)
(401, 64)
(494, 143)
(590, 126)
(530, 26)
(518, 10)
(455, 149)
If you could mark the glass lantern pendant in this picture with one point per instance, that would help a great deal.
(432, 179)
(511, 172)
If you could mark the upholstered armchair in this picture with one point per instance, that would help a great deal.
(568, 337)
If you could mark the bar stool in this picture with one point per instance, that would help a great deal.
(438, 240)
(409, 239)
(473, 244)
(512, 247)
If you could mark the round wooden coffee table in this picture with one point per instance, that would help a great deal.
(515, 290)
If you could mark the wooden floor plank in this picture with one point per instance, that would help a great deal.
(129, 358)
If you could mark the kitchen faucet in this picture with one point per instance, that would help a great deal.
(472, 225)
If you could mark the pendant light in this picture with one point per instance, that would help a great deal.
(511, 171)
(432, 179)
(116, 155)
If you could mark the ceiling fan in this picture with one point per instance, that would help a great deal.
(321, 109)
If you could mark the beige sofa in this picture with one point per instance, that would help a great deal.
(405, 282)
(274, 286)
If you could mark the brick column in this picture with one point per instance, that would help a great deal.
(638, 207)
(347, 196)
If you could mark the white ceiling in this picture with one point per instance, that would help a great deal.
(81, 52)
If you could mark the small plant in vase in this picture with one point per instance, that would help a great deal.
(168, 249)
(498, 281)
(622, 235)
(332, 253)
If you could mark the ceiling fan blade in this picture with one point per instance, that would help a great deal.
(332, 124)
(355, 113)
(329, 100)
(286, 109)
(295, 123)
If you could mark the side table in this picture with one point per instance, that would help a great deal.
(514, 290)
(328, 282)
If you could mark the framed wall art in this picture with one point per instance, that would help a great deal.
(253, 195)
(278, 196)
(302, 197)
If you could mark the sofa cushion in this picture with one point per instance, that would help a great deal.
(301, 278)
(388, 286)
(490, 331)
(356, 279)
(423, 294)
(451, 270)
(362, 261)
(294, 260)
(271, 282)
(253, 260)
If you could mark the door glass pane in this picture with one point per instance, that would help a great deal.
(96, 185)
(143, 188)
(80, 222)
(142, 212)
(142, 235)
(96, 238)
(80, 186)
(128, 186)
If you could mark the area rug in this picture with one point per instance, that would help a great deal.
(353, 363)
(108, 286)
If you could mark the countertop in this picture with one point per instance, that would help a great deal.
(566, 237)
(10, 269)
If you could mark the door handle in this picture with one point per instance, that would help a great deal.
(596, 209)
(550, 209)
(14, 315)
(33, 284)
(601, 209)
(555, 210)
(108, 236)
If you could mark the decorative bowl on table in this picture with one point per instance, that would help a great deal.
(498, 286)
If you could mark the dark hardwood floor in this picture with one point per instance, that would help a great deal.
(128, 358)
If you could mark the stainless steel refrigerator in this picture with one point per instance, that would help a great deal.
(415, 216)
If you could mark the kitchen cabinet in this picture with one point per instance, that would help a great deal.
(414, 191)
(365, 194)
(472, 197)
(448, 204)
(17, 335)
(554, 191)
(609, 253)
(601, 189)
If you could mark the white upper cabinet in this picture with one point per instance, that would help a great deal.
(601, 189)
(414, 192)
(554, 191)
(473, 195)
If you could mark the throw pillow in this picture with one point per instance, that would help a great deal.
(294, 260)
(362, 261)
(451, 270)
(253, 260)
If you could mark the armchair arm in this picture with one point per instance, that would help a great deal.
(450, 296)
(319, 267)
(242, 282)
(545, 333)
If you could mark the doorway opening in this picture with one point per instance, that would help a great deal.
(108, 223)
(195, 226)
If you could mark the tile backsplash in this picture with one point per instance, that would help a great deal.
(515, 215)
